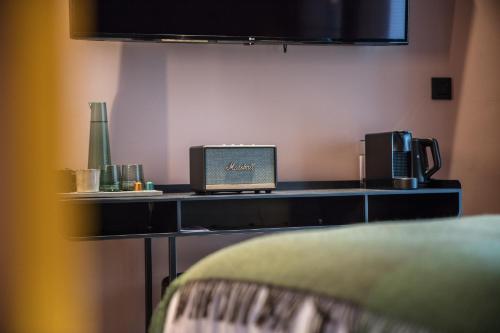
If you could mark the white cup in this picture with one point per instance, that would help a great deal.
(87, 180)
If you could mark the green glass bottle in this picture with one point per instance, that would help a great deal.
(99, 154)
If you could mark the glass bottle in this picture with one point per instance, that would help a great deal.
(99, 153)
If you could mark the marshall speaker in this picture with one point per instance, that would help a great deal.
(233, 168)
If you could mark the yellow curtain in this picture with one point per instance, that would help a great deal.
(42, 274)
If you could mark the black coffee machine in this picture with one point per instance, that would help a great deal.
(396, 160)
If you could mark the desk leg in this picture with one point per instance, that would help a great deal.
(172, 259)
(148, 278)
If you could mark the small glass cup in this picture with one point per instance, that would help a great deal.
(131, 173)
(87, 180)
(110, 178)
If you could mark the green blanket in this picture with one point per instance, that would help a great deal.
(442, 275)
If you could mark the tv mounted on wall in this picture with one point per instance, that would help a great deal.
(242, 21)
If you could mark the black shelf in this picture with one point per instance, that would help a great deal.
(413, 206)
(272, 212)
(171, 214)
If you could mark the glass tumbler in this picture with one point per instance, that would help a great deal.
(110, 178)
(131, 173)
(87, 180)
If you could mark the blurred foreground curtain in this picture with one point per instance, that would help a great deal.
(42, 274)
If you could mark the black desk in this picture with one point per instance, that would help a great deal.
(294, 206)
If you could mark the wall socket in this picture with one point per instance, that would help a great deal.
(441, 88)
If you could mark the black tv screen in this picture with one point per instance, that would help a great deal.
(248, 21)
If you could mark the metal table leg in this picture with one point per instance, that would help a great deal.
(172, 259)
(148, 278)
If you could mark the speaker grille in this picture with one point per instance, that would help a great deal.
(261, 160)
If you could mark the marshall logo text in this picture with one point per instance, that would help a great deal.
(233, 166)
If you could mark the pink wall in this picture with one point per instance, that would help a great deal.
(476, 152)
(314, 103)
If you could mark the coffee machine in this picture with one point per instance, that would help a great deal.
(397, 160)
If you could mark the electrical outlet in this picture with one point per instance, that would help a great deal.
(441, 88)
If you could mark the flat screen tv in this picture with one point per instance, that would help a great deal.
(242, 21)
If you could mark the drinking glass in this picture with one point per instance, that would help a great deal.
(87, 180)
(110, 178)
(131, 173)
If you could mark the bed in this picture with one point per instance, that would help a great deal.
(421, 276)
